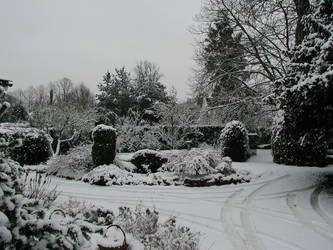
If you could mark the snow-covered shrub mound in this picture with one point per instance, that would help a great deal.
(199, 167)
(145, 225)
(193, 163)
(73, 165)
(104, 147)
(234, 141)
(148, 161)
(108, 175)
(33, 147)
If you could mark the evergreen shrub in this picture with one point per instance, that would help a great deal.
(234, 141)
(104, 146)
(304, 94)
(33, 147)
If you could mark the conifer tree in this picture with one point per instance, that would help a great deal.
(304, 95)
(116, 92)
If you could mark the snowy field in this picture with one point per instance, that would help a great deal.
(283, 207)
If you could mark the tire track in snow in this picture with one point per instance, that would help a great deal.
(314, 200)
(292, 204)
(228, 224)
(249, 227)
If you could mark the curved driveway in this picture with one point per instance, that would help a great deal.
(284, 208)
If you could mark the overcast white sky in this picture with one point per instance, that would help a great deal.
(44, 40)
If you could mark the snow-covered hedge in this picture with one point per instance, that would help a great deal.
(33, 147)
(234, 141)
(104, 147)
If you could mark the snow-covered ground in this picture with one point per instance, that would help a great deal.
(283, 207)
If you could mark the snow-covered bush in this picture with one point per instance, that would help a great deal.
(144, 224)
(148, 161)
(290, 149)
(108, 175)
(235, 141)
(34, 146)
(26, 224)
(104, 147)
(73, 165)
(193, 163)
(304, 94)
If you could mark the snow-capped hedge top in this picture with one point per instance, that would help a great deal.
(144, 152)
(231, 126)
(12, 130)
(102, 127)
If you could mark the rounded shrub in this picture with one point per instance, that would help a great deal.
(234, 141)
(28, 146)
(104, 145)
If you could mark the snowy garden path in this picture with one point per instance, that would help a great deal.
(283, 208)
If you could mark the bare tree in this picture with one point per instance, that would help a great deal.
(266, 30)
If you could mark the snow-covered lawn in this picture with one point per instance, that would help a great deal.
(283, 207)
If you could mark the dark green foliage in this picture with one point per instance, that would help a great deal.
(294, 149)
(116, 92)
(305, 94)
(33, 150)
(119, 93)
(104, 146)
(16, 112)
(27, 145)
(235, 141)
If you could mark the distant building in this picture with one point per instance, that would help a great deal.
(6, 83)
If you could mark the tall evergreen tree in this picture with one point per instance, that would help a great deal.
(223, 60)
(149, 89)
(117, 92)
(304, 95)
(223, 73)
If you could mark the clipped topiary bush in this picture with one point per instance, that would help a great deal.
(234, 141)
(104, 146)
(33, 147)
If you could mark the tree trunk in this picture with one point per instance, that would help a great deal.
(302, 9)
